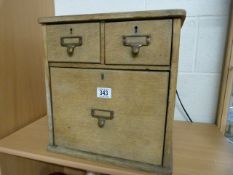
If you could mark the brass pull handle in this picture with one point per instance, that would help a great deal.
(136, 42)
(102, 116)
(70, 42)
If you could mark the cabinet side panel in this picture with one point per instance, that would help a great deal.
(48, 94)
(167, 159)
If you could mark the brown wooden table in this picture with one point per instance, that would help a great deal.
(199, 149)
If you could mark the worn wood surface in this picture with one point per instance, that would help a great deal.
(21, 53)
(89, 51)
(102, 42)
(227, 79)
(167, 160)
(140, 15)
(198, 149)
(156, 53)
(69, 85)
(47, 87)
(138, 128)
(103, 66)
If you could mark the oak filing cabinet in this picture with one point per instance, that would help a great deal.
(111, 82)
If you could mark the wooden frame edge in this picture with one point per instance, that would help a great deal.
(167, 163)
(226, 79)
(47, 87)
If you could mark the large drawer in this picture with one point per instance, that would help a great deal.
(73, 42)
(128, 123)
(138, 42)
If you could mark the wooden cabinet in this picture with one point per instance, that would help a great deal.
(120, 109)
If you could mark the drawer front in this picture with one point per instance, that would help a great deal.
(127, 122)
(138, 42)
(74, 42)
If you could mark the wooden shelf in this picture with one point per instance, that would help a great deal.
(198, 149)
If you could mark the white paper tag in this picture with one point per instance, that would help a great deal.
(103, 92)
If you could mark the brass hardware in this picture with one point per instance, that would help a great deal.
(136, 42)
(70, 44)
(102, 118)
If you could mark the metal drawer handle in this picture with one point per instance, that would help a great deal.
(136, 42)
(70, 42)
(99, 114)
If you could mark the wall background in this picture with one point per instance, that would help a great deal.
(201, 52)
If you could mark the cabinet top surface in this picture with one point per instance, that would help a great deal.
(138, 15)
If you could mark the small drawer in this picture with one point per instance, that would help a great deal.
(73, 42)
(138, 42)
(115, 113)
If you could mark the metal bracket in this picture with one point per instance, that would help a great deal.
(136, 42)
(66, 42)
(102, 118)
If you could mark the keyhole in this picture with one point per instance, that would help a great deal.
(135, 29)
(102, 76)
(71, 30)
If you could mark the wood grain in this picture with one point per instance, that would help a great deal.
(226, 80)
(103, 66)
(201, 149)
(139, 15)
(198, 149)
(21, 58)
(167, 160)
(156, 53)
(102, 43)
(138, 128)
(21, 76)
(47, 87)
